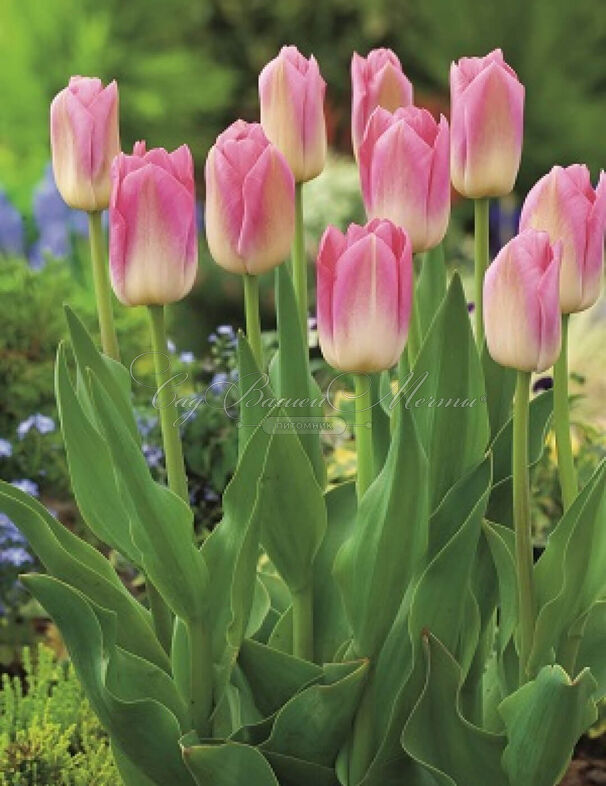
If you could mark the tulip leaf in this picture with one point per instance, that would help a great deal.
(251, 381)
(457, 753)
(129, 772)
(297, 772)
(162, 524)
(378, 561)
(502, 548)
(445, 390)
(97, 492)
(570, 573)
(544, 719)
(431, 287)
(227, 764)
(70, 559)
(593, 646)
(296, 384)
(144, 729)
(500, 383)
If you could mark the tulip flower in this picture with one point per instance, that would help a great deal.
(84, 141)
(564, 204)
(153, 233)
(404, 173)
(521, 298)
(376, 80)
(291, 92)
(249, 201)
(364, 294)
(486, 117)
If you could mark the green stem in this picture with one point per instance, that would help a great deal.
(109, 342)
(201, 696)
(363, 431)
(171, 438)
(303, 623)
(521, 512)
(561, 420)
(482, 260)
(251, 310)
(299, 260)
(415, 337)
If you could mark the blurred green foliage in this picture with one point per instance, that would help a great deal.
(186, 69)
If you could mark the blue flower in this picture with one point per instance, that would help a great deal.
(41, 423)
(6, 449)
(11, 228)
(146, 424)
(219, 383)
(226, 330)
(187, 357)
(153, 455)
(9, 534)
(15, 556)
(171, 346)
(29, 486)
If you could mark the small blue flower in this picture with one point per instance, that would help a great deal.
(187, 357)
(226, 330)
(210, 495)
(41, 423)
(171, 346)
(28, 486)
(9, 534)
(146, 424)
(543, 383)
(219, 383)
(212, 339)
(153, 455)
(11, 228)
(15, 556)
(6, 449)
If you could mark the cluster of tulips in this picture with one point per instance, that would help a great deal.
(399, 633)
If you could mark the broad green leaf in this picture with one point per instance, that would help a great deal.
(297, 772)
(431, 287)
(145, 730)
(162, 527)
(254, 387)
(81, 566)
(291, 509)
(570, 574)
(281, 637)
(114, 377)
(436, 735)
(446, 393)
(313, 725)
(228, 764)
(375, 565)
(593, 646)
(129, 772)
(502, 548)
(544, 719)
(259, 609)
(500, 383)
(296, 384)
(97, 493)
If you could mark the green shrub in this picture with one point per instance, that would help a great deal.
(48, 733)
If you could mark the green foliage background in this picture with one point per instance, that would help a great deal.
(186, 69)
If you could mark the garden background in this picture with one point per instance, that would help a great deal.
(185, 71)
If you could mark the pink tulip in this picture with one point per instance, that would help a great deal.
(376, 80)
(403, 162)
(250, 207)
(153, 245)
(291, 91)
(486, 118)
(364, 295)
(521, 303)
(84, 141)
(564, 204)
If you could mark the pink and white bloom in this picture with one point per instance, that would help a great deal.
(291, 92)
(403, 162)
(564, 204)
(486, 120)
(376, 80)
(153, 244)
(521, 303)
(84, 141)
(250, 201)
(364, 295)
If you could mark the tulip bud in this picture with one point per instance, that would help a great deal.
(486, 118)
(403, 163)
(153, 243)
(376, 80)
(84, 141)
(364, 296)
(521, 303)
(564, 205)
(250, 201)
(291, 91)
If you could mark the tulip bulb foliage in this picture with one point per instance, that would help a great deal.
(331, 633)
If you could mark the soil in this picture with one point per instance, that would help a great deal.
(589, 765)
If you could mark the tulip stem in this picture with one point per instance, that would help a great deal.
(201, 694)
(164, 400)
(109, 341)
(482, 260)
(253, 325)
(303, 623)
(521, 512)
(415, 338)
(561, 419)
(363, 431)
(299, 260)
